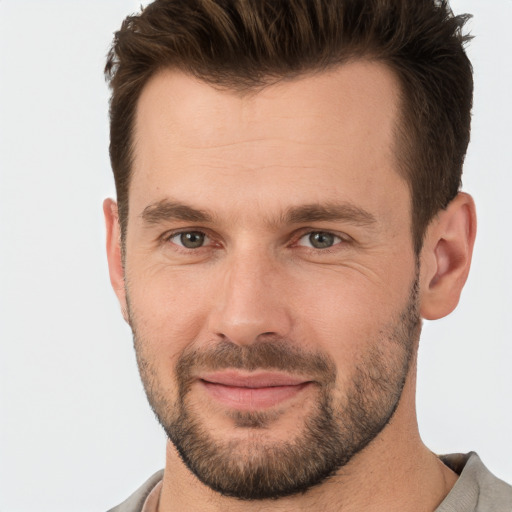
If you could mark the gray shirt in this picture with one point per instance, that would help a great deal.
(476, 490)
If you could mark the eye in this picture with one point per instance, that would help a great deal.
(189, 239)
(319, 240)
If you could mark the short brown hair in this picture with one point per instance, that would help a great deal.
(244, 44)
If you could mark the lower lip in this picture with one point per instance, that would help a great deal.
(252, 398)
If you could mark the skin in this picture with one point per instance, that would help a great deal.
(246, 160)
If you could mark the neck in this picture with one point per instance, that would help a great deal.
(394, 472)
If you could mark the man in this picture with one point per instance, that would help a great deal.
(288, 210)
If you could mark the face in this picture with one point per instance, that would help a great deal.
(270, 279)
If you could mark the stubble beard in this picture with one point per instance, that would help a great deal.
(255, 467)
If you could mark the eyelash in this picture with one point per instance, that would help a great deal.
(167, 237)
(342, 239)
(328, 249)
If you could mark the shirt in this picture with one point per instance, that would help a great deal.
(476, 490)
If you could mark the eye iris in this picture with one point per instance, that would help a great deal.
(192, 239)
(321, 240)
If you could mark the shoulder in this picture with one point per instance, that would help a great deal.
(477, 489)
(136, 501)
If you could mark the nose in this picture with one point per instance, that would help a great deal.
(250, 303)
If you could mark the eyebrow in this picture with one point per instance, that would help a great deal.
(168, 210)
(329, 212)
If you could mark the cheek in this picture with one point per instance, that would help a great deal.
(348, 315)
(167, 310)
(340, 299)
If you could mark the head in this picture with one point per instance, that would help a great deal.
(287, 178)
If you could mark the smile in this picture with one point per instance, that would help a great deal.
(252, 391)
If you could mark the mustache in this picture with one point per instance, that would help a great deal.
(270, 354)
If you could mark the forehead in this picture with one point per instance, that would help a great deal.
(362, 93)
(317, 135)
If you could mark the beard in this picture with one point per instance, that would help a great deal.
(253, 466)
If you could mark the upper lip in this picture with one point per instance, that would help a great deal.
(252, 380)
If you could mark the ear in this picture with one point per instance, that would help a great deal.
(114, 254)
(446, 257)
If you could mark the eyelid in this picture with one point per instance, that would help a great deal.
(342, 240)
(302, 233)
(343, 237)
(169, 235)
(307, 235)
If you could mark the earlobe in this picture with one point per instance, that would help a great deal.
(446, 257)
(114, 253)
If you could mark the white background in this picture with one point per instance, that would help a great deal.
(75, 430)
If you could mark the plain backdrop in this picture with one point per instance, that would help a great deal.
(76, 432)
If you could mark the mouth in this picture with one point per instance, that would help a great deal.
(252, 391)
